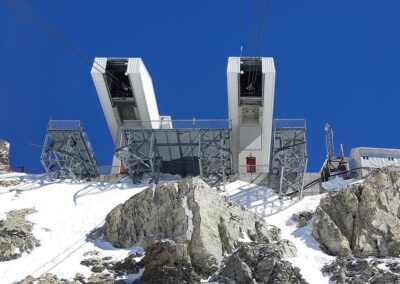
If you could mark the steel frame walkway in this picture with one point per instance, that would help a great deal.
(194, 148)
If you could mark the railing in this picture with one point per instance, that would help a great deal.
(65, 125)
(178, 124)
(290, 123)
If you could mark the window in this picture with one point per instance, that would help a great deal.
(391, 159)
(365, 157)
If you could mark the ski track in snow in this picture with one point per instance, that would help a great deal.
(66, 212)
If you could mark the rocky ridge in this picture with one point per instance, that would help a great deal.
(362, 219)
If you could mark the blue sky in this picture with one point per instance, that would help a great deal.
(337, 62)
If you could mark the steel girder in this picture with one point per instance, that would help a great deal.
(214, 155)
(67, 153)
(139, 154)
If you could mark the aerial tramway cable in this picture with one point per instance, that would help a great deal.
(25, 11)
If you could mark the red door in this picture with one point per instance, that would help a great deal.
(251, 164)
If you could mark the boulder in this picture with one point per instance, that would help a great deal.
(257, 263)
(186, 212)
(362, 219)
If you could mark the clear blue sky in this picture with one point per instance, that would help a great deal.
(337, 62)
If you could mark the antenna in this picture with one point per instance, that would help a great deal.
(341, 150)
(330, 151)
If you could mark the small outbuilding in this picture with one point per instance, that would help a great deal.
(365, 159)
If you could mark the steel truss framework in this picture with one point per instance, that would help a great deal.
(204, 152)
(290, 155)
(67, 152)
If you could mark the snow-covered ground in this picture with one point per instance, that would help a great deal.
(66, 212)
(264, 201)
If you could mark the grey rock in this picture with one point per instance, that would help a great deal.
(168, 262)
(16, 235)
(92, 261)
(302, 218)
(237, 271)
(187, 212)
(98, 268)
(362, 219)
(357, 271)
(257, 263)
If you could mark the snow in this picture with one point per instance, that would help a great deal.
(336, 183)
(66, 212)
(265, 202)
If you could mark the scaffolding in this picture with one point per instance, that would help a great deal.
(67, 152)
(290, 155)
(184, 147)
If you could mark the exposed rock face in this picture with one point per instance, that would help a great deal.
(302, 218)
(362, 219)
(190, 213)
(168, 262)
(257, 263)
(4, 156)
(15, 235)
(348, 270)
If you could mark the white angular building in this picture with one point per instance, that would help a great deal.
(251, 87)
(126, 93)
(364, 159)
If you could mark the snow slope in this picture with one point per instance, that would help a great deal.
(66, 213)
(265, 202)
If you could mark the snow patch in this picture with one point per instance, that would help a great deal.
(68, 211)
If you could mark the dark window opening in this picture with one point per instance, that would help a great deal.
(118, 83)
(251, 81)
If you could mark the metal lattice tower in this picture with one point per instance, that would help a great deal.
(67, 152)
(194, 147)
(290, 155)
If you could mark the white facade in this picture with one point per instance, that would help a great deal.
(251, 87)
(144, 104)
(373, 158)
(125, 90)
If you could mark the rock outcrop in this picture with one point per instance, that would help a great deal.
(362, 219)
(188, 230)
(16, 235)
(4, 156)
(302, 218)
(256, 263)
(356, 271)
(186, 212)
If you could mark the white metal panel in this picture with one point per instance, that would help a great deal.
(233, 73)
(143, 91)
(250, 138)
(268, 69)
(97, 72)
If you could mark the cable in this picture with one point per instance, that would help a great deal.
(25, 11)
(262, 35)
